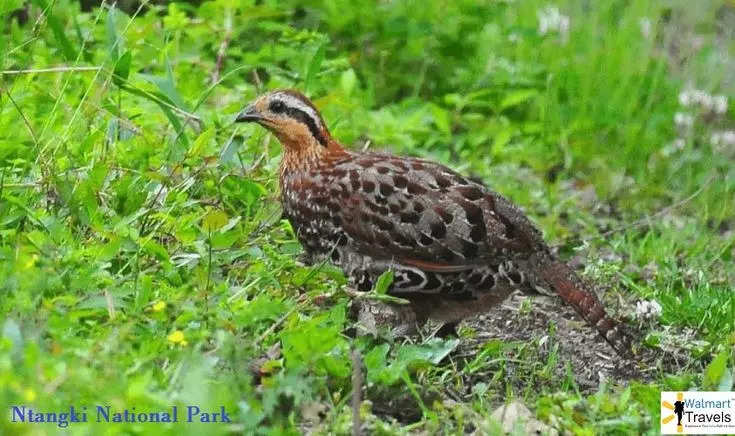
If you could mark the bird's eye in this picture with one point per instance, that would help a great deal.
(277, 106)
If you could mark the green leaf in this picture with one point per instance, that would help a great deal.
(159, 100)
(202, 141)
(223, 240)
(11, 331)
(375, 361)
(432, 351)
(383, 283)
(407, 357)
(122, 69)
(167, 86)
(515, 98)
(157, 250)
(228, 152)
(114, 40)
(726, 381)
(249, 191)
(716, 370)
(502, 138)
(314, 65)
(347, 81)
(441, 119)
(214, 220)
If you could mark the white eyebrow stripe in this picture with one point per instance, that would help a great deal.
(296, 103)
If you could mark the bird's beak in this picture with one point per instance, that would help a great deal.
(249, 114)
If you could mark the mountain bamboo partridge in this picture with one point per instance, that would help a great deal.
(455, 247)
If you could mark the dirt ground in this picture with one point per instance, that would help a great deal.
(581, 353)
(580, 347)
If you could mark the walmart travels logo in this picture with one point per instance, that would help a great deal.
(697, 412)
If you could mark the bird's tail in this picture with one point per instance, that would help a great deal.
(567, 284)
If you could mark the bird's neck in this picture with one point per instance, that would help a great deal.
(308, 155)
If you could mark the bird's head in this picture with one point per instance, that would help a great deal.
(291, 117)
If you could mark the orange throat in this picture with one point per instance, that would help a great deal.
(302, 156)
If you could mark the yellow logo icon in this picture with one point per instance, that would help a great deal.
(678, 410)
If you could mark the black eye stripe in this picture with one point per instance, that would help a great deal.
(278, 107)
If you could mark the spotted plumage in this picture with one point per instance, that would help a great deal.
(456, 247)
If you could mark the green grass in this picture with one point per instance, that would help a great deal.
(143, 262)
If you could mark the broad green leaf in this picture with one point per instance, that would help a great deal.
(122, 69)
(716, 370)
(214, 220)
(432, 351)
(223, 240)
(412, 356)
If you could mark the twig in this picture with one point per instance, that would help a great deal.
(258, 82)
(223, 48)
(25, 120)
(50, 70)
(23, 44)
(356, 392)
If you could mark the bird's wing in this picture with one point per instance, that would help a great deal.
(422, 214)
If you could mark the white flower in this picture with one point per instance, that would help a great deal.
(728, 137)
(720, 104)
(710, 103)
(648, 309)
(564, 26)
(645, 25)
(707, 102)
(725, 138)
(677, 144)
(551, 20)
(700, 97)
(684, 120)
(548, 20)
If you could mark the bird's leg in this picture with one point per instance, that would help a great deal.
(447, 329)
(399, 319)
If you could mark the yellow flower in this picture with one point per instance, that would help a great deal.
(30, 261)
(29, 395)
(159, 306)
(177, 337)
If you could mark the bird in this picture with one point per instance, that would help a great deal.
(455, 247)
